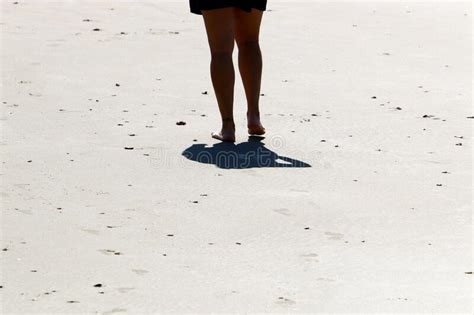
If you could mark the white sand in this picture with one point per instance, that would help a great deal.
(312, 239)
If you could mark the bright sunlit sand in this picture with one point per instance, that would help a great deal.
(117, 200)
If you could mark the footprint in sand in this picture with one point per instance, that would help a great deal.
(284, 301)
(140, 272)
(115, 310)
(310, 257)
(109, 252)
(334, 236)
(24, 211)
(125, 290)
(283, 211)
(325, 279)
(90, 231)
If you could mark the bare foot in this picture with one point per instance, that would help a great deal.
(254, 125)
(227, 132)
(225, 136)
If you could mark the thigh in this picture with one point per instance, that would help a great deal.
(247, 25)
(220, 29)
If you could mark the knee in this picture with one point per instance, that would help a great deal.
(222, 49)
(221, 54)
(248, 44)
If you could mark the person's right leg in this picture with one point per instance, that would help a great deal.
(220, 32)
(247, 29)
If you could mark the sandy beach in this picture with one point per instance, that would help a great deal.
(116, 200)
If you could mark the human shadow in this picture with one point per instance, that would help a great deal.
(250, 154)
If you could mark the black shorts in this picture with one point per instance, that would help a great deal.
(246, 5)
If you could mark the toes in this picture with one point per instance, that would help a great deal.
(217, 135)
(221, 137)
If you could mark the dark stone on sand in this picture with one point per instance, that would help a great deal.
(96, 29)
(116, 84)
(29, 161)
(306, 228)
(128, 148)
(238, 243)
(5, 249)
(470, 117)
(374, 97)
(180, 123)
(204, 93)
(98, 285)
(170, 235)
(86, 20)
(398, 108)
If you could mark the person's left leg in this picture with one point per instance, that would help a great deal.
(220, 32)
(247, 30)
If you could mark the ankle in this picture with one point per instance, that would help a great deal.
(253, 113)
(228, 123)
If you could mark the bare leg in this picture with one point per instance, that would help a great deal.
(247, 31)
(220, 32)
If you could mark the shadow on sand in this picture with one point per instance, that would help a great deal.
(248, 154)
